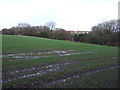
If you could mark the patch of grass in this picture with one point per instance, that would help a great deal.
(15, 44)
(105, 79)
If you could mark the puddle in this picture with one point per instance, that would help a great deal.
(78, 75)
(36, 53)
(64, 53)
(115, 57)
(37, 68)
(74, 53)
(41, 71)
(61, 51)
(16, 57)
(0, 56)
(34, 74)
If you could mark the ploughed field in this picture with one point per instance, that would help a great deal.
(33, 62)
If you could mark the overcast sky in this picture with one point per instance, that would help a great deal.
(68, 14)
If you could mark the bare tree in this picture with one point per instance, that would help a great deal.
(105, 33)
(51, 25)
(23, 25)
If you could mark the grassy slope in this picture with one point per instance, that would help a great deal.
(16, 44)
(13, 44)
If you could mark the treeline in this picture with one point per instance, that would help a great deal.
(105, 33)
(46, 31)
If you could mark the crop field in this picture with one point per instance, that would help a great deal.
(34, 62)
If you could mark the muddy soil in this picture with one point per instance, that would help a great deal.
(36, 55)
(73, 76)
(35, 71)
(9, 76)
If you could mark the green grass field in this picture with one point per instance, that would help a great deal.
(33, 62)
